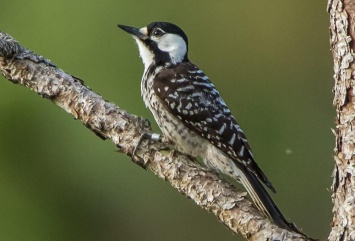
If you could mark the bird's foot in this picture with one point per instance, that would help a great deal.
(150, 136)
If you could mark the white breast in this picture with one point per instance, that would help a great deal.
(186, 141)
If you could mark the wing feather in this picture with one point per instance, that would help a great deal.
(188, 94)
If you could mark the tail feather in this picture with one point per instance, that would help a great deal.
(262, 199)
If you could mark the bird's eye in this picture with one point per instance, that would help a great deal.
(158, 32)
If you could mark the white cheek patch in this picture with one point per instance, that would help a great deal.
(174, 45)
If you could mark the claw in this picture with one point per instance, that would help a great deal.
(151, 136)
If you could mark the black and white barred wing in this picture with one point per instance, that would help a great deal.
(189, 95)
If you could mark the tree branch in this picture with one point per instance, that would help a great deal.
(22, 66)
(342, 36)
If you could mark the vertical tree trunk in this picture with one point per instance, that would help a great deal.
(342, 34)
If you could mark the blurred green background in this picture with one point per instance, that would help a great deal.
(269, 59)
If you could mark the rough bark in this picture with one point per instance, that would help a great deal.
(342, 33)
(21, 66)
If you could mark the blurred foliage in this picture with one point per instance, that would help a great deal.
(270, 61)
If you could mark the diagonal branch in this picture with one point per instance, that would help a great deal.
(22, 66)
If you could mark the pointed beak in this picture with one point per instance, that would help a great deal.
(133, 31)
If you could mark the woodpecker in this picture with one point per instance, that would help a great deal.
(191, 113)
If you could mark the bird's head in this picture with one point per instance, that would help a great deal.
(160, 43)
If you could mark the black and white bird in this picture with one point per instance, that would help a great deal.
(192, 114)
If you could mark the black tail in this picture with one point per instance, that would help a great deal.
(262, 199)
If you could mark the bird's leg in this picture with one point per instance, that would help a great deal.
(145, 129)
(151, 136)
(155, 137)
